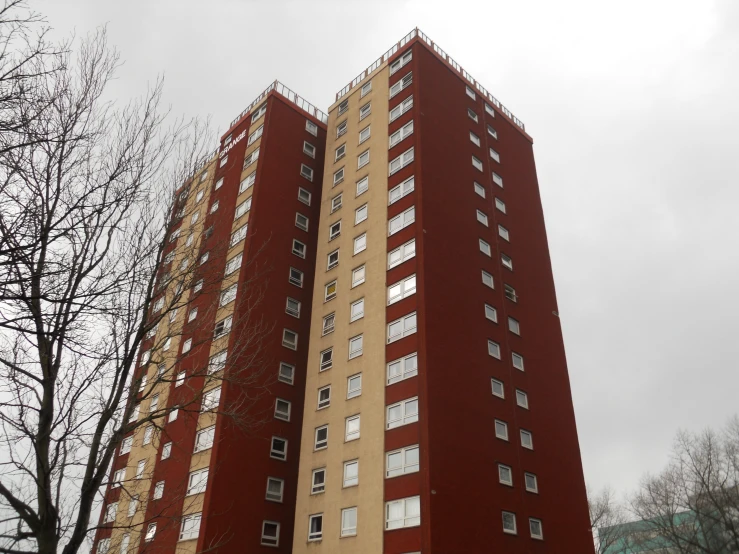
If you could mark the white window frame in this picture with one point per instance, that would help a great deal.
(324, 402)
(503, 233)
(501, 430)
(495, 155)
(311, 127)
(330, 295)
(496, 382)
(358, 281)
(336, 202)
(363, 159)
(366, 89)
(401, 221)
(406, 417)
(365, 134)
(255, 136)
(309, 149)
(342, 107)
(300, 249)
(474, 139)
(350, 481)
(301, 221)
(228, 295)
(197, 482)
(354, 386)
(273, 496)
(204, 439)
(485, 248)
(365, 111)
(341, 128)
(500, 205)
(512, 517)
(506, 261)
(360, 243)
(534, 534)
(329, 324)
(494, 349)
(275, 452)
(352, 422)
(408, 326)
(334, 230)
(398, 163)
(233, 264)
(321, 444)
(269, 539)
(477, 163)
(482, 217)
(355, 352)
(360, 313)
(318, 488)
(361, 214)
(293, 279)
(315, 535)
(401, 190)
(292, 307)
(479, 189)
(527, 439)
(528, 475)
(332, 260)
(413, 520)
(401, 289)
(283, 414)
(247, 182)
(401, 134)
(340, 152)
(491, 313)
(503, 480)
(285, 339)
(402, 254)
(401, 108)
(158, 490)
(362, 186)
(514, 326)
(338, 176)
(302, 193)
(251, 158)
(487, 279)
(472, 115)
(346, 529)
(190, 528)
(402, 60)
(404, 373)
(238, 235)
(405, 467)
(306, 172)
(497, 179)
(211, 399)
(287, 376)
(401, 84)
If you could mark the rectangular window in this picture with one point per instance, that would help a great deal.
(311, 127)
(531, 482)
(366, 88)
(401, 254)
(401, 328)
(289, 339)
(501, 429)
(360, 214)
(335, 203)
(403, 189)
(527, 439)
(251, 158)
(402, 289)
(217, 362)
(356, 346)
(259, 112)
(500, 205)
(494, 349)
(401, 61)
(328, 324)
(332, 260)
(180, 379)
(405, 512)
(400, 462)
(505, 475)
(197, 482)
(401, 221)
(514, 326)
(126, 445)
(340, 152)
(470, 92)
(360, 243)
(190, 527)
(358, 276)
(474, 139)
(299, 249)
(341, 128)
(315, 527)
(318, 481)
(214, 206)
(491, 313)
(522, 399)
(204, 438)
(401, 108)
(211, 399)
(148, 433)
(309, 149)
(158, 490)
(275, 489)
(306, 172)
(234, 263)
(364, 134)
(324, 397)
(365, 110)
(238, 235)
(535, 528)
(498, 180)
(402, 368)
(485, 248)
(354, 386)
(140, 468)
(498, 388)
(110, 512)
(103, 546)
(133, 503)
(224, 161)
(477, 164)
(494, 154)
(301, 222)
(402, 413)
(471, 114)
(506, 261)
(304, 196)
(334, 230)
(282, 409)
(118, 477)
(228, 295)
(247, 182)
(503, 232)
(256, 135)
(509, 523)
(330, 291)
(401, 161)
(292, 307)
(479, 189)
(487, 279)
(321, 438)
(489, 109)
(348, 522)
(492, 132)
(482, 218)
(278, 448)
(351, 428)
(402, 84)
(327, 359)
(401, 134)
(351, 473)
(338, 176)
(343, 107)
(271, 530)
(363, 159)
(362, 185)
(357, 310)
(286, 373)
(296, 277)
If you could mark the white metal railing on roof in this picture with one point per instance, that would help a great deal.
(285, 92)
(444, 56)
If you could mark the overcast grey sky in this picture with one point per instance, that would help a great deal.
(633, 109)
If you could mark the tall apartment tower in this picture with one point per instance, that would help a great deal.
(221, 471)
(438, 416)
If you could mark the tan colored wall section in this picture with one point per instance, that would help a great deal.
(369, 448)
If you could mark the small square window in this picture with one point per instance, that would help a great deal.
(315, 527)
(296, 277)
(321, 438)
(286, 373)
(503, 232)
(354, 386)
(318, 481)
(487, 279)
(479, 189)
(498, 180)
(270, 533)
(510, 293)
(360, 214)
(357, 310)
(522, 399)
(506, 261)
(358, 276)
(304, 196)
(509, 523)
(301, 222)
(527, 439)
(289, 339)
(351, 473)
(362, 185)
(364, 134)
(306, 172)
(476, 163)
(531, 482)
(500, 205)
(474, 139)
(517, 361)
(485, 248)
(535, 528)
(494, 154)
(470, 92)
(282, 409)
(329, 324)
(363, 159)
(340, 152)
(278, 449)
(482, 218)
(366, 88)
(365, 110)
(338, 176)
(330, 291)
(334, 230)
(343, 107)
(494, 349)
(514, 326)
(352, 428)
(335, 203)
(505, 475)
(498, 388)
(324, 397)
(356, 346)
(309, 149)
(360, 243)
(299, 249)
(311, 127)
(491, 313)
(333, 260)
(472, 115)
(501, 429)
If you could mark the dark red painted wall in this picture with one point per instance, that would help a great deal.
(462, 500)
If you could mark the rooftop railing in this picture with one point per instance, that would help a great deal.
(441, 54)
(285, 92)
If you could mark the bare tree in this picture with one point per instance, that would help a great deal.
(607, 519)
(694, 503)
(93, 273)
